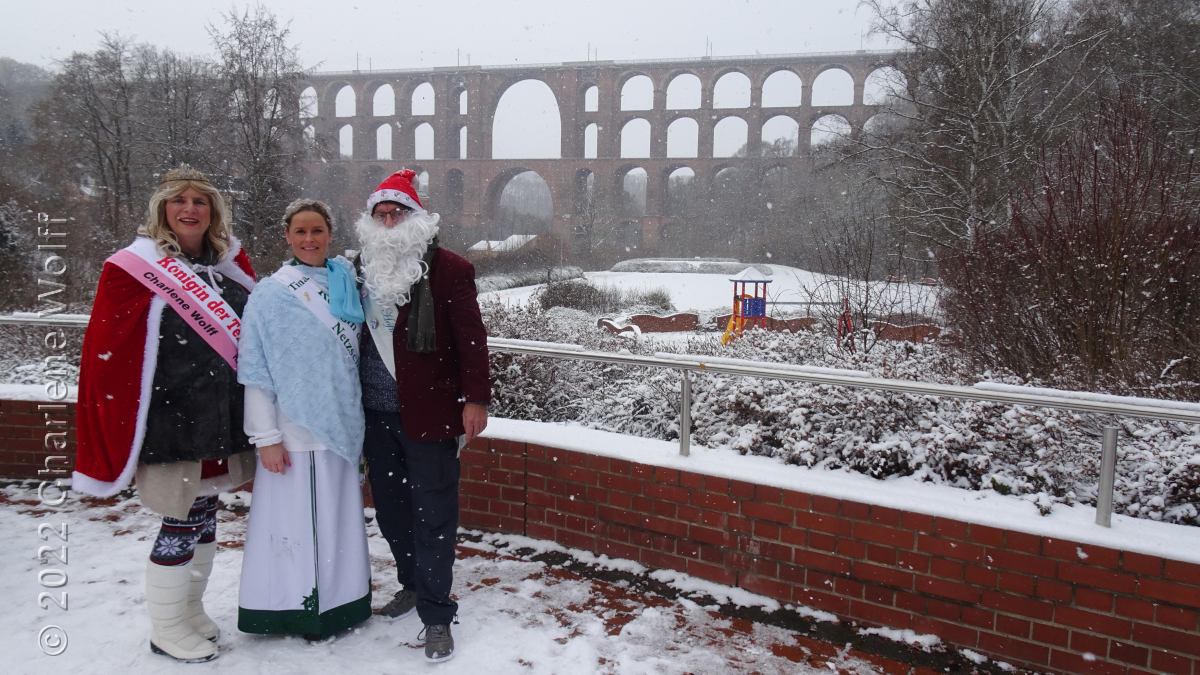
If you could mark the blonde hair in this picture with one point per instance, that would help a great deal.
(304, 204)
(175, 182)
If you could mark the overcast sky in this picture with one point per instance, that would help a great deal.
(381, 35)
(377, 34)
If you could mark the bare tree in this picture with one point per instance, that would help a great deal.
(986, 86)
(858, 250)
(599, 229)
(1098, 277)
(1150, 48)
(17, 250)
(21, 85)
(264, 149)
(87, 121)
(178, 112)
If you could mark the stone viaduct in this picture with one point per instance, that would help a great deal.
(463, 181)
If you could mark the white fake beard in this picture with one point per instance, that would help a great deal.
(392, 257)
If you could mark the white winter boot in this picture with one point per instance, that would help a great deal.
(202, 564)
(166, 600)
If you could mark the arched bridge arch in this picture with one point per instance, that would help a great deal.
(463, 175)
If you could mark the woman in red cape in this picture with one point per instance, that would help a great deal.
(160, 406)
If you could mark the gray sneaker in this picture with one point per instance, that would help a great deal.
(439, 643)
(402, 604)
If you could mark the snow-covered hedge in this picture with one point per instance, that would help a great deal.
(501, 281)
(688, 265)
(1046, 456)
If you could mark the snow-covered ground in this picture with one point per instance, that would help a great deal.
(517, 615)
(709, 293)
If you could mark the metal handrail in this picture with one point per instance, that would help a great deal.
(34, 319)
(845, 379)
(1188, 413)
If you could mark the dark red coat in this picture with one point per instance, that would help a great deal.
(432, 388)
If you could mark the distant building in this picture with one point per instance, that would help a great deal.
(488, 246)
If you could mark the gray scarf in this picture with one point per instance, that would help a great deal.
(422, 339)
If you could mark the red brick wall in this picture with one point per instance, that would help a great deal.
(922, 332)
(1025, 599)
(650, 323)
(24, 446)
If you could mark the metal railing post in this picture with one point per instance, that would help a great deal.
(685, 414)
(1108, 468)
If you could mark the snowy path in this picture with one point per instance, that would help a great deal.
(518, 615)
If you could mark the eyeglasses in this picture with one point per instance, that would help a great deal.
(395, 215)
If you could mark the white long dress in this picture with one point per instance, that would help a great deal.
(305, 570)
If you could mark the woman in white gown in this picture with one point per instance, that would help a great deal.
(305, 570)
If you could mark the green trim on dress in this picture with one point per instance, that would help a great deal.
(303, 621)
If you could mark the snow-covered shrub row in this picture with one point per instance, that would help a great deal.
(583, 295)
(500, 282)
(1043, 455)
(689, 265)
(28, 356)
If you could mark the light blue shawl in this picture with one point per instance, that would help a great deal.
(283, 348)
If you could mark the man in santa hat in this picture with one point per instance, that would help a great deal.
(426, 388)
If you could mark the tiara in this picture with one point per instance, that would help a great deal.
(185, 172)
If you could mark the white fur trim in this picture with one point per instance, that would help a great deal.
(392, 196)
(229, 268)
(146, 247)
(90, 486)
(99, 488)
(149, 363)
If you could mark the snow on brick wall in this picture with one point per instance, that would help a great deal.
(1045, 603)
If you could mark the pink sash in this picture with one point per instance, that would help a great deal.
(184, 291)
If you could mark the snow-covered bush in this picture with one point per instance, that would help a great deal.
(1043, 455)
(24, 352)
(690, 265)
(584, 295)
(501, 281)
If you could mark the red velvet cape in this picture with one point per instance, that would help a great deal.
(117, 366)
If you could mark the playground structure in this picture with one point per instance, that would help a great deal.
(749, 308)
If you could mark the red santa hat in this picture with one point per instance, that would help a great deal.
(398, 188)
